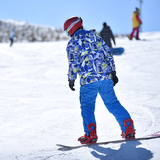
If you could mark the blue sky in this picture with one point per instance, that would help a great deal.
(116, 13)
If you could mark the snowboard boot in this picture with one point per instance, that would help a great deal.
(138, 38)
(130, 131)
(91, 138)
(130, 38)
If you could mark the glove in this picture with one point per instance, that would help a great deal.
(71, 84)
(114, 78)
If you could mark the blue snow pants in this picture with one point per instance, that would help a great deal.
(88, 94)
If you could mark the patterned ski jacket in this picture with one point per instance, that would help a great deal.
(89, 56)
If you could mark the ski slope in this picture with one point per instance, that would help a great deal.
(38, 110)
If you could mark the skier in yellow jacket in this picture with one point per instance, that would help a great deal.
(136, 22)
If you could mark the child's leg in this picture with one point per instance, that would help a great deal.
(113, 105)
(88, 94)
(131, 35)
(137, 34)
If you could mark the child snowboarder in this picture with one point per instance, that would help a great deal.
(89, 56)
(136, 22)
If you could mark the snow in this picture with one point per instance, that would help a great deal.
(38, 110)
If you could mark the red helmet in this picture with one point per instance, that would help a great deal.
(72, 24)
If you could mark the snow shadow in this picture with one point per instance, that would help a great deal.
(127, 151)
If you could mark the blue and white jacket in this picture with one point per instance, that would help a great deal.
(89, 56)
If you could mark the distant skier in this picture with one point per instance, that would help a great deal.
(107, 35)
(11, 36)
(89, 56)
(136, 22)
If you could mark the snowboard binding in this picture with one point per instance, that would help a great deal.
(91, 138)
(130, 131)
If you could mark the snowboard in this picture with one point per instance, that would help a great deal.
(136, 39)
(141, 40)
(116, 51)
(151, 136)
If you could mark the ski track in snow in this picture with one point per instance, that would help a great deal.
(38, 110)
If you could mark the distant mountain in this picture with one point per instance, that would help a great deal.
(26, 32)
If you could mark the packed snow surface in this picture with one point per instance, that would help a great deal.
(38, 110)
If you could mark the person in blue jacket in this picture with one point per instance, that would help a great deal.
(89, 56)
(11, 36)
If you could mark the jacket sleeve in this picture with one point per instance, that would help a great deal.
(72, 61)
(112, 36)
(137, 18)
(108, 57)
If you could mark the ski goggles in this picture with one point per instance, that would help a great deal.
(71, 25)
(66, 32)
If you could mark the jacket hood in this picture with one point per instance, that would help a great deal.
(85, 35)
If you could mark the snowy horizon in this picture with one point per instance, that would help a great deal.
(29, 32)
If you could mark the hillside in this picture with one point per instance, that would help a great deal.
(29, 32)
